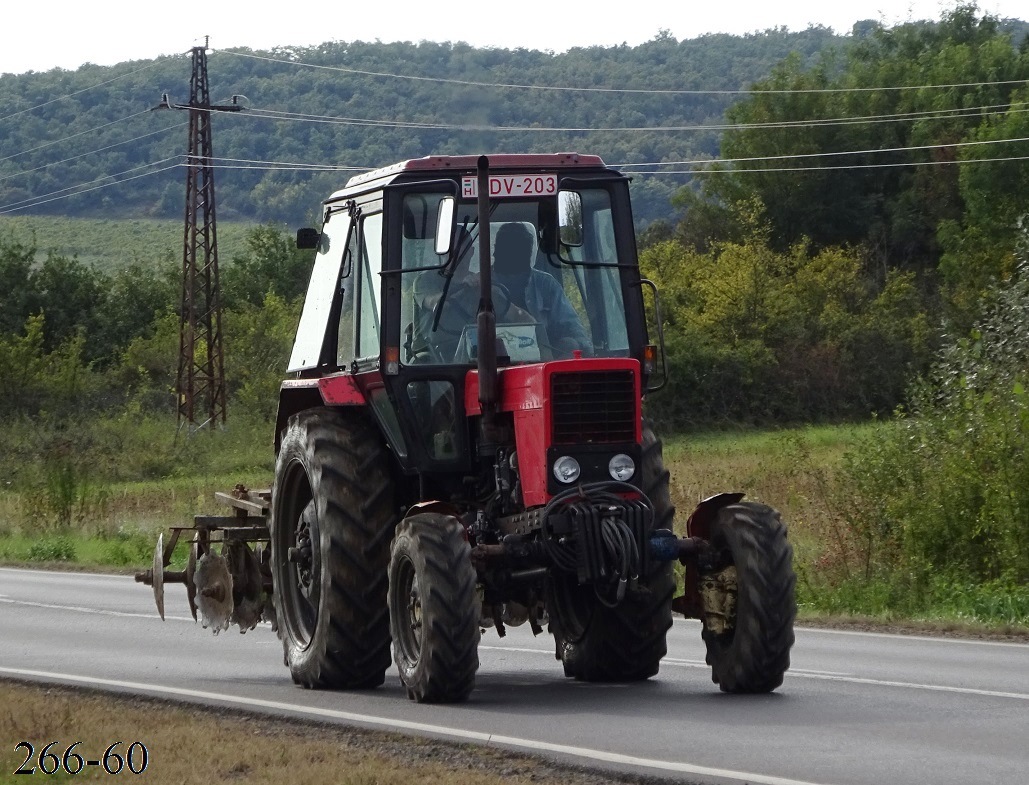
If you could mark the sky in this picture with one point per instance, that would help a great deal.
(41, 35)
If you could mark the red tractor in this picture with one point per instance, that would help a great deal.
(460, 445)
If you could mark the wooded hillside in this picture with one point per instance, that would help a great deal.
(366, 105)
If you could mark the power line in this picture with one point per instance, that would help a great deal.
(935, 114)
(77, 92)
(257, 166)
(900, 117)
(62, 192)
(821, 155)
(299, 166)
(273, 166)
(277, 115)
(841, 167)
(91, 152)
(292, 164)
(73, 136)
(657, 91)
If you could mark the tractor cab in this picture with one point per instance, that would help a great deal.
(395, 301)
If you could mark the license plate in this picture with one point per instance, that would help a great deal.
(503, 186)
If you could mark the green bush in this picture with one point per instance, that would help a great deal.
(258, 339)
(128, 547)
(940, 497)
(758, 336)
(58, 548)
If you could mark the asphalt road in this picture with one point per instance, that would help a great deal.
(855, 708)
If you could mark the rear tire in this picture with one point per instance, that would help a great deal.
(434, 609)
(333, 508)
(753, 656)
(624, 643)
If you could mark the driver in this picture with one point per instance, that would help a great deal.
(536, 291)
(522, 293)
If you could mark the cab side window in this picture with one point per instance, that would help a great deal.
(369, 263)
(345, 345)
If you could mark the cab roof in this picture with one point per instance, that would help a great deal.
(467, 164)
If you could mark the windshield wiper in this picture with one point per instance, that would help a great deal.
(460, 250)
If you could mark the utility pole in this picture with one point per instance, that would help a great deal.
(200, 383)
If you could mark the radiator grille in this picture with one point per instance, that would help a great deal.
(593, 407)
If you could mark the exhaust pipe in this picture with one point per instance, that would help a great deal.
(486, 319)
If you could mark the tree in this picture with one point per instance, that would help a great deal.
(942, 493)
(272, 264)
(979, 248)
(33, 380)
(72, 297)
(876, 199)
(758, 335)
(137, 294)
(16, 295)
(258, 339)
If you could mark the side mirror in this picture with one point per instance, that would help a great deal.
(445, 225)
(569, 215)
(308, 238)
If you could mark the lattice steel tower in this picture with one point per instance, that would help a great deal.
(200, 384)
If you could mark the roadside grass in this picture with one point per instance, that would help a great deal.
(98, 499)
(123, 535)
(793, 470)
(188, 745)
(799, 472)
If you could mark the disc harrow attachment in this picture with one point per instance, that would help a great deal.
(227, 573)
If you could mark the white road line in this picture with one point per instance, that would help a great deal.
(97, 611)
(123, 578)
(898, 636)
(515, 648)
(792, 671)
(914, 686)
(487, 739)
(801, 673)
(114, 576)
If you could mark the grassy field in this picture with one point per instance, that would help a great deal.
(160, 481)
(771, 466)
(109, 242)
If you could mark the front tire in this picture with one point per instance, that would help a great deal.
(624, 643)
(332, 519)
(434, 609)
(751, 546)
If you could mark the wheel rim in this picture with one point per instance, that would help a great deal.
(408, 607)
(301, 555)
(722, 574)
(300, 567)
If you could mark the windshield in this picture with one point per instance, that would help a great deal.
(546, 309)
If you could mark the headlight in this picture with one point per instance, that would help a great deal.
(621, 467)
(567, 469)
